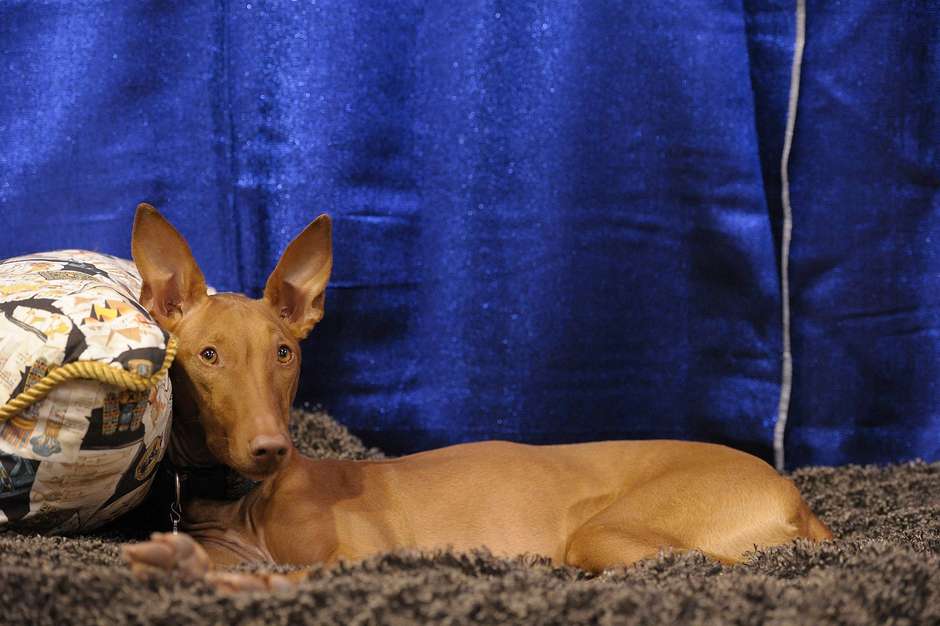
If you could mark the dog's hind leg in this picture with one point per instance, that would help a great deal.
(604, 543)
(723, 510)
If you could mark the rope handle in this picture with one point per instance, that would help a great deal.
(87, 370)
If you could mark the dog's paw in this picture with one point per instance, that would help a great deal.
(240, 582)
(167, 553)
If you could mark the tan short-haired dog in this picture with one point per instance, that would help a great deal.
(591, 505)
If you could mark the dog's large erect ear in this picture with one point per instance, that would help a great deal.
(297, 286)
(173, 283)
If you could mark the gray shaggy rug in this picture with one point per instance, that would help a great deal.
(884, 568)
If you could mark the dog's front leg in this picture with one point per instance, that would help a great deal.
(181, 555)
(178, 554)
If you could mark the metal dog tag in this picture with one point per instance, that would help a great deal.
(176, 509)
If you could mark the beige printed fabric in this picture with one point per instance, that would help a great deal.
(87, 452)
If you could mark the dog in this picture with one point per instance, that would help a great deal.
(591, 505)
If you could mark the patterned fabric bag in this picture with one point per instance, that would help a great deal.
(85, 400)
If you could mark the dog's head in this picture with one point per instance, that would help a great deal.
(238, 360)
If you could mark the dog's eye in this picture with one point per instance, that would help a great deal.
(209, 355)
(284, 354)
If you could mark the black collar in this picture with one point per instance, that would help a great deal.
(208, 482)
(177, 484)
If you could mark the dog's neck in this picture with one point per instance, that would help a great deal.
(187, 438)
(188, 443)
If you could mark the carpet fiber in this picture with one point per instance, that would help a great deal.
(883, 568)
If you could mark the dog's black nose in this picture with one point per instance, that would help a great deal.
(269, 447)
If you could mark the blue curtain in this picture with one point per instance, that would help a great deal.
(554, 221)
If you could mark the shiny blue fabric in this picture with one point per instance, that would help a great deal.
(554, 221)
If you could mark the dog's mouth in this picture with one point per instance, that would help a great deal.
(251, 468)
(259, 470)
